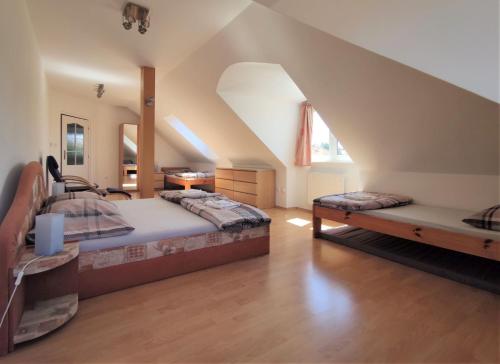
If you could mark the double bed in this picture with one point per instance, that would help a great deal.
(167, 241)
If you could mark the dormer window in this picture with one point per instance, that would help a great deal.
(325, 146)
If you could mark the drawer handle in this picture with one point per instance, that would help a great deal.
(487, 243)
(347, 214)
(417, 231)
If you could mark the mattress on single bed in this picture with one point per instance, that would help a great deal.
(153, 219)
(436, 217)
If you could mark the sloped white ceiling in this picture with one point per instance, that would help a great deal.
(389, 116)
(83, 42)
(454, 40)
(392, 118)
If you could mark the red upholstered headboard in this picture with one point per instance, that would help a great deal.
(29, 197)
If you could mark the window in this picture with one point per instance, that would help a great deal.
(325, 147)
(74, 144)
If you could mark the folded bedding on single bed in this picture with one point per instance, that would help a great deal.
(186, 173)
(360, 201)
(153, 220)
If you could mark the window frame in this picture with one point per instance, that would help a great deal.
(334, 143)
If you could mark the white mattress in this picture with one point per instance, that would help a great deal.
(437, 217)
(153, 219)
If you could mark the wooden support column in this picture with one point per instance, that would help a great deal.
(146, 135)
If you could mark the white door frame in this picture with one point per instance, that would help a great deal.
(87, 147)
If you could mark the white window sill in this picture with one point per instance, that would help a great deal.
(333, 162)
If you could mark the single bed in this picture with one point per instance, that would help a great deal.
(185, 177)
(442, 227)
(129, 168)
(167, 241)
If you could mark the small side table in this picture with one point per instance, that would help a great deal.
(51, 292)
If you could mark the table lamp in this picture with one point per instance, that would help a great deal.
(49, 234)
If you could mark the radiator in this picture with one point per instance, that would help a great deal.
(320, 184)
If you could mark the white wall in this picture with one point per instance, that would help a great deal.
(454, 40)
(166, 155)
(23, 104)
(270, 103)
(104, 132)
(104, 120)
(202, 166)
(392, 119)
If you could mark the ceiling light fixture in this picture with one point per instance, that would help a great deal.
(100, 90)
(135, 13)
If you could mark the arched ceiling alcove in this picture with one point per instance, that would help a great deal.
(267, 100)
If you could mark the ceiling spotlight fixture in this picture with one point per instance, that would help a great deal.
(100, 90)
(135, 13)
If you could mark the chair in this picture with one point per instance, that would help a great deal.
(76, 184)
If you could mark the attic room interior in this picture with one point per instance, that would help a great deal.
(250, 181)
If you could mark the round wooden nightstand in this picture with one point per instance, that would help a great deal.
(51, 289)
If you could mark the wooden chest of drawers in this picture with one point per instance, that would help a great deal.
(251, 186)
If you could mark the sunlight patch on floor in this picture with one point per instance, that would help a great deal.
(297, 221)
(328, 227)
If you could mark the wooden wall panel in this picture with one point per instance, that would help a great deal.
(146, 135)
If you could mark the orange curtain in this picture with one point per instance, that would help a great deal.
(303, 148)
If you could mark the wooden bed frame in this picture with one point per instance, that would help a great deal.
(187, 183)
(19, 220)
(486, 248)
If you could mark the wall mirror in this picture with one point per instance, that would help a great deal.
(128, 157)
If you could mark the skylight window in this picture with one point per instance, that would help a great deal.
(191, 137)
(325, 146)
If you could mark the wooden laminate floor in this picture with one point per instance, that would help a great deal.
(308, 301)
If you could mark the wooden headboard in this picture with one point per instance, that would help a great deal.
(19, 220)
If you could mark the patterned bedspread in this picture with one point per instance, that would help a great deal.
(358, 201)
(226, 214)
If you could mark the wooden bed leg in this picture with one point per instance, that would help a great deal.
(316, 225)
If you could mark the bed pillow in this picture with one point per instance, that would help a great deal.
(73, 196)
(359, 201)
(89, 218)
(488, 219)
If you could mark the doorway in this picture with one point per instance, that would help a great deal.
(75, 142)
